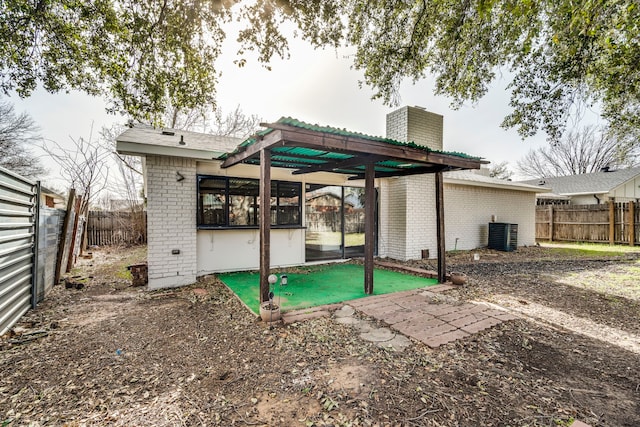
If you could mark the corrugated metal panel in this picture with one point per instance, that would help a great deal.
(49, 230)
(18, 215)
(343, 132)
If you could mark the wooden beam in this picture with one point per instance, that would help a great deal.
(612, 222)
(265, 222)
(74, 232)
(350, 145)
(357, 160)
(267, 141)
(369, 226)
(405, 172)
(632, 223)
(63, 235)
(550, 208)
(440, 236)
(285, 135)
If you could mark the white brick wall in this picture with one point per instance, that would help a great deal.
(408, 209)
(171, 221)
(468, 211)
(417, 125)
(421, 212)
(392, 218)
(408, 213)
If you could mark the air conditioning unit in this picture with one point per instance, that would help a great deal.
(503, 236)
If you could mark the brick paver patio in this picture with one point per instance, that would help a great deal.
(423, 314)
(428, 317)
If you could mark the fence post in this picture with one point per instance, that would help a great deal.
(632, 225)
(63, 236)
(550, 223)
(612, 222)
(76, 221)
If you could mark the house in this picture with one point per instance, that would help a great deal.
(621, 185)
(473, 199)
(51, 198)
(204, 194)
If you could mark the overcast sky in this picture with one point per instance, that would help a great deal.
(316, 86)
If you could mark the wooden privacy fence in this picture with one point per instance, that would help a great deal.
(116, 228)
(613, 223)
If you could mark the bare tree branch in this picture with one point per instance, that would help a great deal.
(17, 133)
(84, 167)
(581, 151)
(214, 121)
(500, 171)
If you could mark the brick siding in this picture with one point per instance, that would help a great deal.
(171, 216)
(408, 219)
(468, 211)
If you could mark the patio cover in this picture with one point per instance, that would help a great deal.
(290, 143)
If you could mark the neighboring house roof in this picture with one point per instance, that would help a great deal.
(142, 139)
(50, 192)
(477, 178)
(587, 183)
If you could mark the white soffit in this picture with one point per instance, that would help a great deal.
(145, 140)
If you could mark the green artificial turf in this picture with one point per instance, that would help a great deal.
(321, 284)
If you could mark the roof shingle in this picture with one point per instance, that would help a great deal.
(587, 183)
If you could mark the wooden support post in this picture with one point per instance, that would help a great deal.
(612, 222)
(369, 223)
(442, 263)
(63, 235)
(74, 233)
(632, 223)
(265, 223)
(550, 223)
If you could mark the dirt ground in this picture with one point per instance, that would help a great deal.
(110, 354)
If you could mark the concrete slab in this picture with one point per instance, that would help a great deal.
(347, 320)
(345, 311)
(397, 343)
(378, 335)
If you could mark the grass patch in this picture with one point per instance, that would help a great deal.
(589, 249)
(322, 284)
(615, 282)
(124, 274)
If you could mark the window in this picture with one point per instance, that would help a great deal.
(235, 202)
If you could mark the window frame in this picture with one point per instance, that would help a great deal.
(274, 206)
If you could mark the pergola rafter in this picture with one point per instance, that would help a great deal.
(326, 149)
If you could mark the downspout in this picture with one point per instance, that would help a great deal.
(597, 199)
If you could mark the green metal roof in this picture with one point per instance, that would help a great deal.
(343, 132)
(304, 157)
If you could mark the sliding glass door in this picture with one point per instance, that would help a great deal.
(334, 219)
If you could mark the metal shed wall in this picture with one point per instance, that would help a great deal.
(49, 231)
(18, 223)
